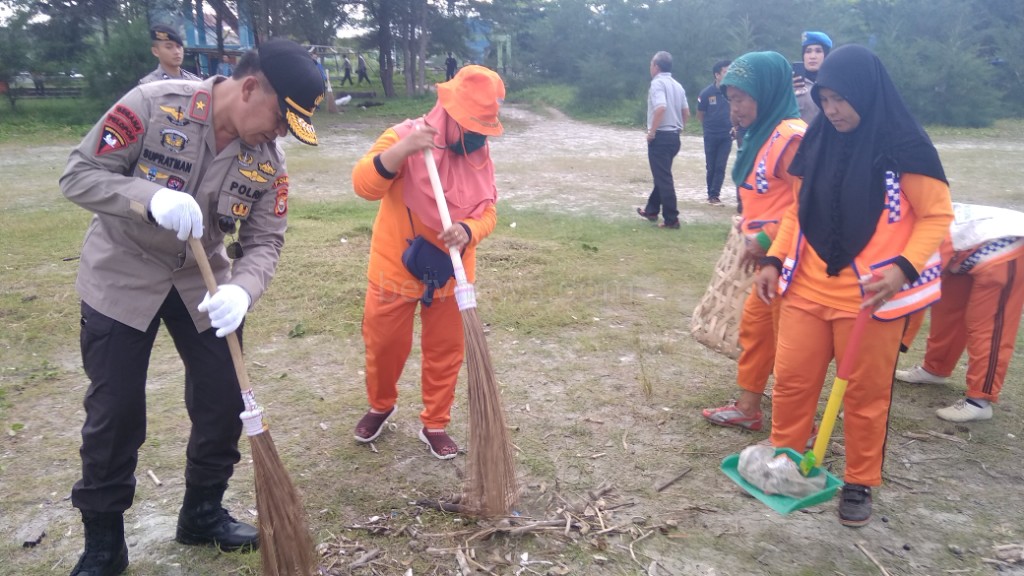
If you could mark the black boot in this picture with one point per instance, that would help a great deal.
(106, 553)
(203, 521)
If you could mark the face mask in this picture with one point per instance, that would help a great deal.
(472, 142)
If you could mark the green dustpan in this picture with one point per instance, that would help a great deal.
(777, 502)
(809, 463)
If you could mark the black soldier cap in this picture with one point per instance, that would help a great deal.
(298, 83)
(160, 33)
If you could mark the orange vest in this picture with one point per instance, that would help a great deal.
(765, 197)
(895, 226)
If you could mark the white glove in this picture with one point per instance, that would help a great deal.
(227, 308)
(177, 211)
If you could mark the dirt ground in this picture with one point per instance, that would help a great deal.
(603, 417)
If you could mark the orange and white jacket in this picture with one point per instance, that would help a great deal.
(769, 189)
(395, 224)
(912, 225)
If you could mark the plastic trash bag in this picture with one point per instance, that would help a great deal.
(773, 474)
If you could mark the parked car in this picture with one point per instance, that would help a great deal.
(23, 80)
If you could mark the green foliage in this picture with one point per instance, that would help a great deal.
(37, 121)
(114, 68)
(13, 52)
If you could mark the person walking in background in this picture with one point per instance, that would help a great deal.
(713, 114)
(759, 86)
(815, 46)
(873, 209)
(347, 68)
(321, 69)
(170, 161)
(38, 81)
(361, 70)
(409, 260)
(450, 65)
(225, 68)
(667, 113)
(170, 53)
(980, 310)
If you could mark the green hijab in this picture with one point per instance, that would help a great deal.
(768, 78)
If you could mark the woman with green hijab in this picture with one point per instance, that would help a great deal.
(759, 86)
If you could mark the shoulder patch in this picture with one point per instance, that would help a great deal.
(199, 109)
(281, 202)
(130, 116)
(110, 139)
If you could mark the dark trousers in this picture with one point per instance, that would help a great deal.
(363, 76)
(116, 358)
(348, 76)
(660, 153)
(716, 155)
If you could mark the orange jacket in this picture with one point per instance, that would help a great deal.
(395, 224)
(769, 188)
(913, 230)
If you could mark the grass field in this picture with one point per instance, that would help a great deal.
(587, 314)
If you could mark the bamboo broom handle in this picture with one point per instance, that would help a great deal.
(465, 294)
(211, 284)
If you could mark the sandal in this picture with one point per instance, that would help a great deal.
(732, 417)
(371, 425)
(441, 445)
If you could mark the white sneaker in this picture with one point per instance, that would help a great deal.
(918, 375)
(964, 411)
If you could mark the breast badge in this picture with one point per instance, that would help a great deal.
(173, 140)
(253, 175)
(175, 116)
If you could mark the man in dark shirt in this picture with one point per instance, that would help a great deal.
(450, 65)
(713, 114)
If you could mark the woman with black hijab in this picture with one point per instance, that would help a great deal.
(874, 205)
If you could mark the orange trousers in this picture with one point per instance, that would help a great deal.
(979, 312)
(759, 327)
(810, 336)
(387, 333)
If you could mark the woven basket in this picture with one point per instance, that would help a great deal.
(716, 319)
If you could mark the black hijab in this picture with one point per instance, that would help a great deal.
(843, 189)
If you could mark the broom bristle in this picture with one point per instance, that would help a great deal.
(491, 486)
(286, 547)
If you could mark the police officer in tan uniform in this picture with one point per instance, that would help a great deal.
(171, 160)
(169, 52)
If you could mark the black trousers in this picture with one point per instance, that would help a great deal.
(716, 155)
(116, 359)
(660, 153)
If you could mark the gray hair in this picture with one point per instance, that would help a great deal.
(663, 60)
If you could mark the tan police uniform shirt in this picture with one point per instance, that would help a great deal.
(162, 135)
(161, 74)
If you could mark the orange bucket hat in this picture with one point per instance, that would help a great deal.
(472, 99)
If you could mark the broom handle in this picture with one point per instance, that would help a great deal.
(211, 285)
(835, 398)
(465, 294)
(442, 209)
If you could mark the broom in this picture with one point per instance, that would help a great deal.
(286, 548)
(491, 487)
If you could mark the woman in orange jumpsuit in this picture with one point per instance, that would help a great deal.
(980, 310)
(873, 208)
(409, 261)
(759, 86)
